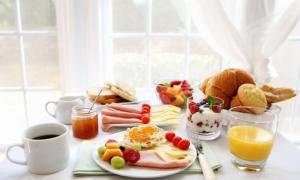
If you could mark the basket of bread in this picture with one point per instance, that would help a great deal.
(238, 88)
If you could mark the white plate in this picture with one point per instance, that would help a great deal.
(134, 171)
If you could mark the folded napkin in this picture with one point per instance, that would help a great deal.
(86, 166)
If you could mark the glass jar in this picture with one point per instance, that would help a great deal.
(84, 122)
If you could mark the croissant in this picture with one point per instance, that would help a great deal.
(225, 84)
(274, 95)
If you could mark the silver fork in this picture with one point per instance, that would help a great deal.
(208, 173)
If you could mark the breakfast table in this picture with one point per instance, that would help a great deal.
(283, 162)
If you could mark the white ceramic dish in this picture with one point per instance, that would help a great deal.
(133, 171)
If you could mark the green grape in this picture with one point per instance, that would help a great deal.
(117, 162)
(101, 151)
(137, 146)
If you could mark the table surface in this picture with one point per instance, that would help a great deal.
(283, 162)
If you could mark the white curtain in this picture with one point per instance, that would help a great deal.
(249, 41)
(79, 41)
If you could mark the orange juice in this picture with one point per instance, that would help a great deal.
(250, 143)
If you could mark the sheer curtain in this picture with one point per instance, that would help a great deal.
(247, 33)
(249, 41)
(79, 38)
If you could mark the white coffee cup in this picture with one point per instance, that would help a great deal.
(44, 156)
(64, 107)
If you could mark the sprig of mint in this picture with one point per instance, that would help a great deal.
(211, 101)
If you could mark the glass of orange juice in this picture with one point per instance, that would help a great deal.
(251, 133)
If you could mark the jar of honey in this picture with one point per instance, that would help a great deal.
(84, 122)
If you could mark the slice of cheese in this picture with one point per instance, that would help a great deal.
(165, 107)
(171, 154)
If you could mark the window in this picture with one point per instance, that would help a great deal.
(149, 41)
(29, 69)
(143, 40)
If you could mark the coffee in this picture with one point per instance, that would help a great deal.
(47, 136)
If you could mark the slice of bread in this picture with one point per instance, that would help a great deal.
(106, 95)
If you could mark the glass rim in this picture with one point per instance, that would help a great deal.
(216, 97)
(84, 109)
(275, 111)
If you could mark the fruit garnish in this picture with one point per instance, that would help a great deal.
(211, 101)
(193, 107)
(165, 98)
(117, 162)
(137, 146)
(160, 88)
(110, 140)
(184, 144)
(131, 155)
(169, 136)
(175, 83)
(145, 118)
(191, 104)
(109, 153)
(112, 145)
(122, 147)
(101, 151)
(216, 108)
(176, 140)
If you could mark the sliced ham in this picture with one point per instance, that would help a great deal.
(123, 108)
(117, 120)
(153, 160)
(121, 114)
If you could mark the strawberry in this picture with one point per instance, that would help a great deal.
(165, 98)
(176, 140)
(185, 84)
(131, 155)
(216, 108)
(184, 144)
(191, 104)
(193, 108)
(169, 136)
(175, 83)
(187, 93)
(160, 88)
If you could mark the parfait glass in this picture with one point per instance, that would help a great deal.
(251, 133)
(204, 120)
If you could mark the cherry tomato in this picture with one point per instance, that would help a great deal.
(184, 144)
(146, 105)
(176, 140)
(145, 118)
(169, 136)
(145, 110)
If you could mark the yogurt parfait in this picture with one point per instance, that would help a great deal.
(204, 120)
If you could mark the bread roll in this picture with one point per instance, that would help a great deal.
(225, 84)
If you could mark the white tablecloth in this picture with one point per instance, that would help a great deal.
(283, 163)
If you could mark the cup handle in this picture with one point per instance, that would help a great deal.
(11, 159)
(46, 108)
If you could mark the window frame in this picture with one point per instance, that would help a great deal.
(19, 33)
(109, 36)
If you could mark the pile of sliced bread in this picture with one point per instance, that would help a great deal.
(112, 93)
